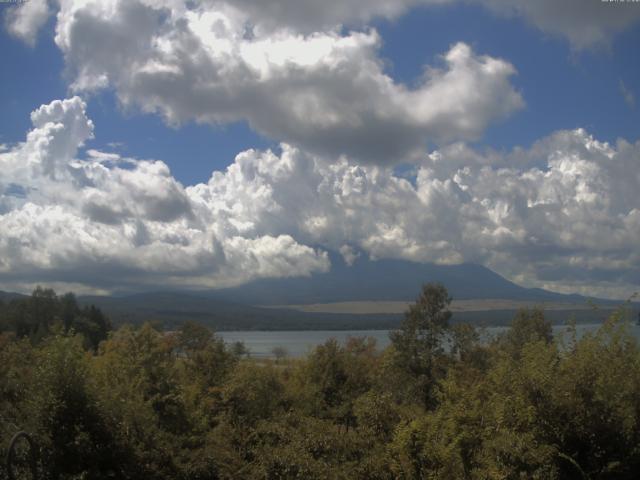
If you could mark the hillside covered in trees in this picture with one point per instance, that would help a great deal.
(139, 403)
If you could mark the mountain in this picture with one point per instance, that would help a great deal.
(8, 296)
(384, 280)
(256, 305)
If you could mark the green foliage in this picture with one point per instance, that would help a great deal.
(438, 403)
(206, 359)
(252, 393)
(418, 344)
(334, 376)
(70, 426)
(528, 326)
(545, 414)
(44, 312)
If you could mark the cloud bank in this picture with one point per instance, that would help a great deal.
(563, 214)
(114, 223)
(325, 91)
(300, 71)
(584, 23)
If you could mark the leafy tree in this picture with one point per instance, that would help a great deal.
(37, 316)
(529, 325)
(418, 343)
(68, 310)
(139, 386)
(206, 364)
(464, 341)
(333, 377)
(93, 325)
(280, 353)
(377, 414)
(65, 416)
(42, 309)
(17, 365)
(4, 324)
(32, 317)
(160, 405)
(252, 393)
(239, 349)
(193, 337)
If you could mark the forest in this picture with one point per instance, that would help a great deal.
(440, 402)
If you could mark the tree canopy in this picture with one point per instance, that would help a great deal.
(439, 402)
(43, 312)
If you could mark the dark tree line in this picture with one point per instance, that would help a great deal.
(37, 316)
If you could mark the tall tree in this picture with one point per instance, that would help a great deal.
(418, 343)
(529, 325)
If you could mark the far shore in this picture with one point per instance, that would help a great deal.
(394, 307)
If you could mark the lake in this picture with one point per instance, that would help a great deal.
(300, 343)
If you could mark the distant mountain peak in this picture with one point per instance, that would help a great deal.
(360, 278)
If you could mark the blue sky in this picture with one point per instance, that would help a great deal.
(505, 115)
(563, 88)
(37, 76)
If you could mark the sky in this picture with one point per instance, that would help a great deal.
(181, 144)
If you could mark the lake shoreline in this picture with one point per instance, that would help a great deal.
(298, 343)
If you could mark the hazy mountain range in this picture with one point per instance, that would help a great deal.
(265, 304)
(384, 280)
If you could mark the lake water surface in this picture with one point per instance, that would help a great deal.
(300, 343)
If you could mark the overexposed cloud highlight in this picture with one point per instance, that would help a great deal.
(117, 223)
(325, 91)
(563, 214)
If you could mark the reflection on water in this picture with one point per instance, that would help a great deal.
(299, 343)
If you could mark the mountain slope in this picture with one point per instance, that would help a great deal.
(384, 280)
(8, 296)
(365, 281)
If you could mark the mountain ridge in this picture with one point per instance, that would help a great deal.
(264, 304)
(384, 280)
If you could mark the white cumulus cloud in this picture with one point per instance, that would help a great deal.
(27, 18)
(325, 91)
(562, 214)
(109, 222)
(585, 23)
